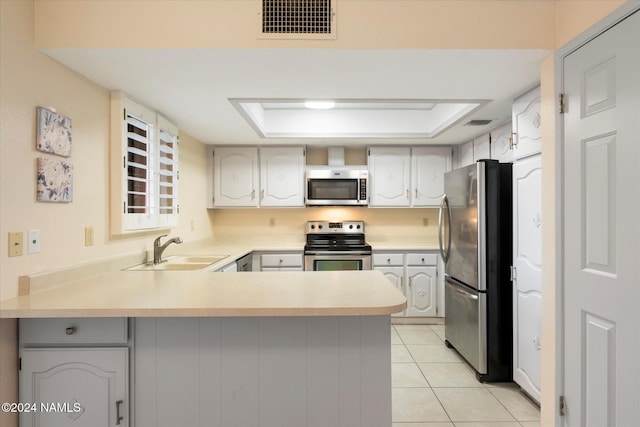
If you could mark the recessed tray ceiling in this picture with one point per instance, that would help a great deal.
(354, 118)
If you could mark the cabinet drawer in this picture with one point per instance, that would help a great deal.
(387, 259)
(281, 260)
(108, 330)
(422, 259)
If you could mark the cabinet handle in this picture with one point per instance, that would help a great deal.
(253, 194)
(402, 282)
(423, 260)
(388, 260)
(118, 416)
(262, 195)
(70, 331)
(416, 194)
(281, 261)
(407, 194)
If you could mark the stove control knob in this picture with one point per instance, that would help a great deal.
(313, 227)
(350, 226)
(320, 226)
(358, 226)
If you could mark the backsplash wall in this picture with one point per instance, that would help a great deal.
(380, 224)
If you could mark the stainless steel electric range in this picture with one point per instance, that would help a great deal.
(333, 245)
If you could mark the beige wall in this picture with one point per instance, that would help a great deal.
(381, 224)
(234, 23)
(29, 79)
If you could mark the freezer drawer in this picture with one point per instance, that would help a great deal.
(466, 323)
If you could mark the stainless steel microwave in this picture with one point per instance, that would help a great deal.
(341, 186)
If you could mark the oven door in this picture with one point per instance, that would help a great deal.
(337, 262)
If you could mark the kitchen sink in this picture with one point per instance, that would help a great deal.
(187, 262)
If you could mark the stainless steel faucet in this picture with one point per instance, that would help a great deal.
(159, 249)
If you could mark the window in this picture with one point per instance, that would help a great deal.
(145, 168)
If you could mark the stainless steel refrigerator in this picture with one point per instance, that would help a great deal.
(475, 237)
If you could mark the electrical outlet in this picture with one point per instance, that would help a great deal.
(16, 245)
(33, 244)
(425, 222)
(88, 236)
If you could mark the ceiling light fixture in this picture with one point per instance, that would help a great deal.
(319, 105)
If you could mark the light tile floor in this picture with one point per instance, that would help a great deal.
(433, 387)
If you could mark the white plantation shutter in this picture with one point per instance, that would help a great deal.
(138, 164)
(149, 175)
(167, 171)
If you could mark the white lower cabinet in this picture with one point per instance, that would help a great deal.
(416, 276)
(73, 385)
(281, 261)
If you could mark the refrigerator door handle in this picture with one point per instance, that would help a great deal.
(444, 204)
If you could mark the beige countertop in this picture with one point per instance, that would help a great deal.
(100, 290)
(209, 294)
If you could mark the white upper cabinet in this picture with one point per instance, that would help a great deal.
(282, 176)
(429, 165)
(235, 177)
(501, 143)
(246, 177)
(526, 124)
(390, 176)
(482, 147)
(465, 154)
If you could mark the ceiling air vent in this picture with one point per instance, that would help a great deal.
(479, 122)
(297, 19)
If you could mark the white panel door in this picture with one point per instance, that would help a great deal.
(527, 138)
(421, 291)
(390, 175)
(282, 176)
(601, 229)
(235, 176)
(93, 383)
(501, 143)
(527, 283)
(429, 165)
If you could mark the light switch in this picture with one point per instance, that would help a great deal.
(16, 244)
(33, 245)
(88, 236)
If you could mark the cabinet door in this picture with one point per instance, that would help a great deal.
(501, 144)
(527, 261)
(421, 291)
(395, 276)
(526, 124)
(389, 173)
(235, 176)
(465, 154)
(282, 176)
(482, 147)
(78, 386)
(429, 165)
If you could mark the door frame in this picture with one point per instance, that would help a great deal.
(560, 54)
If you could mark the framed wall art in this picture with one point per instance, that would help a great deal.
(53, 132)
(55, 180)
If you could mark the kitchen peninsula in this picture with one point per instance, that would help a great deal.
(268, 348)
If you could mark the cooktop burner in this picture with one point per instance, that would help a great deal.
(334, 236)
